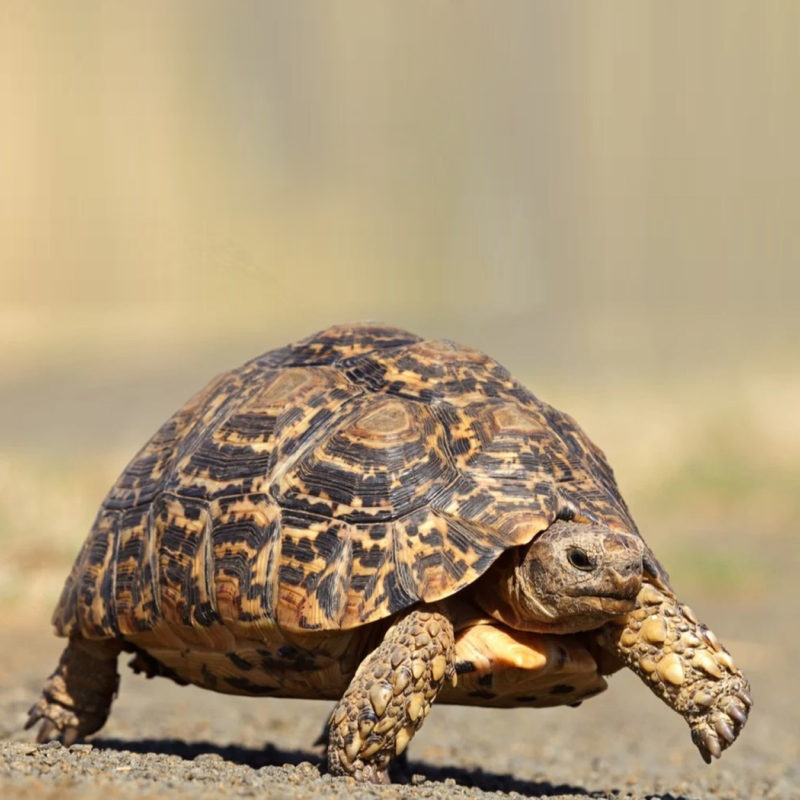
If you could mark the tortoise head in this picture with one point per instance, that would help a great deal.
(574, 576)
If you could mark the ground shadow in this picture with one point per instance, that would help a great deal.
(498, 782)
(494, 781)
(271, 756)
(267, 756)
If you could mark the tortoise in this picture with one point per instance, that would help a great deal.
(384, 521)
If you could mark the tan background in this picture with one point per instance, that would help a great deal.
(603, 196)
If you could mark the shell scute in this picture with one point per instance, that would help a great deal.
(181, 531)
(246, 547)
(382, 461)
(271, 420)
(135, 595)
(86, 606)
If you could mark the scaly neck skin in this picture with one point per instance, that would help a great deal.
(501, 594)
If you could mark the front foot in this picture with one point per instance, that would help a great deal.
(77, 697)
(718, 724)
(390, 696)
(376, 771)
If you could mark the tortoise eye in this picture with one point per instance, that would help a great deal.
(579, 559)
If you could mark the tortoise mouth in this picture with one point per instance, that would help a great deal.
(622, 588)
(608, 604)
(622, 596)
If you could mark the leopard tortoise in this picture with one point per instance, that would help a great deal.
(381, 520)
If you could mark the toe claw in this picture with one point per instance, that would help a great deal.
(34, 715)
(738, 715)
(70, 735)
(711, 743)
(45, 733)
(724, 730)
(745, 698)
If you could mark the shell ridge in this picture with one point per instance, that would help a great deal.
(332, 345)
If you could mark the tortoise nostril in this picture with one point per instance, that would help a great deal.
(631, 568)
(579, 559)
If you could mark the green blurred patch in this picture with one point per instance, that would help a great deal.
(722, 517)
(728, 480)
(727, 470)
(709, 569)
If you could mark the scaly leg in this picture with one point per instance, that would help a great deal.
(77, 697)
(390, 696)
(681, 660)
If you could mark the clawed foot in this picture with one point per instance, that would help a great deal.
(77, 697)
(57, 721)
(60, 718)
(719, 728)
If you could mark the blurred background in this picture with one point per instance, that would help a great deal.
(602, 196)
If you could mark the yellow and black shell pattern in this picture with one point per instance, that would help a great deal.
(329, 484)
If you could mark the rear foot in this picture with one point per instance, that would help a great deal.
(77, 697)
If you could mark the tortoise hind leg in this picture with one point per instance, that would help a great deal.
(77, 697)
(390, 695)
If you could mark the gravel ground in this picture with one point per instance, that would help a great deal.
(163, 739)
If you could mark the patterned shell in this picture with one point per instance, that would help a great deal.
(329, 484)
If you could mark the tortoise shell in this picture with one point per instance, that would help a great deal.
(329, 484)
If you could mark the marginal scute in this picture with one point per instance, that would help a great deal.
(246, 546)
(181, 530)
(87, 605)
(136, 581)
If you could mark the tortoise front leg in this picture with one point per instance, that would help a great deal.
(681, 660)
(390, 696)
(77, 697)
